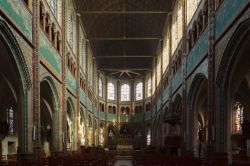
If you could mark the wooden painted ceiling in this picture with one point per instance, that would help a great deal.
(124, 34)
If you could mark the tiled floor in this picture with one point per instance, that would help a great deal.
(123, 163)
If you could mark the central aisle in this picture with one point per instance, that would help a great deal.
(123, 163)
(123, 160)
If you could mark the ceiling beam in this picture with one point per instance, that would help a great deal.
(124, 56)
(122, 38)
(124, 69)
(124, 12)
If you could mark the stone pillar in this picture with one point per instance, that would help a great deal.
(106, 111)
(185, 49)
(36, 87)
(44, 21)
(192, 38)
(63, 114)
(49, 26)
(78, 115)
(203, 19)
(55, 39)
(59, 45)
(213, 155)
(197, 30)
(143, 112)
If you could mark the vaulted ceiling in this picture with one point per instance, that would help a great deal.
(124, 34)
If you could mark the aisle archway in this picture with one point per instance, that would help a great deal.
(15, 83)
(71, 129)
(233, 80)
(48, 116)
(198, 115)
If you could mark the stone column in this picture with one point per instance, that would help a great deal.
(197, 30)
(185, 49)
(49, 26)
(44, 21)
(55, 39)
(213, 154)
(106, 112)
(63, 112)
(78, 115)
(36, 89)
(204, 19)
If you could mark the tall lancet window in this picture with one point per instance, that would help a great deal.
(237, 117)
(10, 119)
(191, 8)
(111, 91)
(139, 90)
(100, 88)
(125, 92)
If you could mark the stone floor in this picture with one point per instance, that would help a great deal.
(123, 163)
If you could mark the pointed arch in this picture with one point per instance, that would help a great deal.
(234, 52)
(198, 88)
(11, 44)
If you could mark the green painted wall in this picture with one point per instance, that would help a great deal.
(125, 118)
(82, 96)
(111, 117)
(71, 82)
(226, 13)
(89, 104)
(19, 14)
(177, 79)
(102, 115)
(198, 51)
(50, 54)
(165, 95)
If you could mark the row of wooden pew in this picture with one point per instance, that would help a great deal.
(158, 159)
(91, 157)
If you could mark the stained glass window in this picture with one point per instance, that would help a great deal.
(177, 24)
(153, 82)
(53, 6)
(148, 138)
(125, 92)
(100, 88)
(158, 70)
(111, 91)
(11, 121)
(165, 53)
(149, 87)
(237, 117)
(70, 29)
(59, 11)
(191, 8)
(84, 55)
(139, 91)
